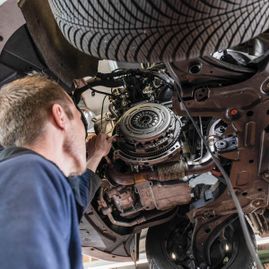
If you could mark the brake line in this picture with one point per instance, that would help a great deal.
(240, 212)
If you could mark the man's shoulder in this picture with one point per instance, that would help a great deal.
(29, 160)
(33, 169)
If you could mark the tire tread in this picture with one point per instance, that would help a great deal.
(142, 30)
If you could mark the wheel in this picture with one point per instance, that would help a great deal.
(229, 249)
(158, 30)
(168, 246)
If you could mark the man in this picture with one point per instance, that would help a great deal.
(38, 208)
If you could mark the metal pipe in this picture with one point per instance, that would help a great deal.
(108, 213)
(112, 111)
(168, 172)
(200, 169)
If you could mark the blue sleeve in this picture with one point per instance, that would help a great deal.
(34, 219)
(84, 188)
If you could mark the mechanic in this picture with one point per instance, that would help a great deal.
(43, 183)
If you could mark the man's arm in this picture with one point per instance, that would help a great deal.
(84, 188)
(97, 148)
(86, 185)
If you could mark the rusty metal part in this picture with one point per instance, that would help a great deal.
(169, 172)
(139, 220)
(174, 171)
(259, 223)
(125, 201)
(204, 226)
(123, 198)
(200, 168)
(163, 197)
(108, 212)
(151, 196)
(209, 69)
(105, 243)
(250, 160)
(252, 198)
(232, 113)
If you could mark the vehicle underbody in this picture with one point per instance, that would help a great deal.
(159, 174)
(159, 164)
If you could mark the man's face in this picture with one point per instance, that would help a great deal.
(74, 143)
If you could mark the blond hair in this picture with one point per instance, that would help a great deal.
(25, 105)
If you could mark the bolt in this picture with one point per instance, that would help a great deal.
(221, 129)
(265, 86)
(195, 68)
(265, 175)
(258, 203)
(233, 113)
(222, 144)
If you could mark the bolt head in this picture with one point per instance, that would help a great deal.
(233, 113)
(265, 86)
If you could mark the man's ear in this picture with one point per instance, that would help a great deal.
(59, 116)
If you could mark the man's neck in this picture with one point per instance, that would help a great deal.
(52, 150)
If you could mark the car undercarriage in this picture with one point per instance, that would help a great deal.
(160, 174)
(158, 159)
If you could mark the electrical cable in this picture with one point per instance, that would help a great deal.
(202, 144)
(102, 112)
(101, 92)
(240, 212)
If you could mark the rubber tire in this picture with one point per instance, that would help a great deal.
(157, 258)
(243, 258)
(156, 245)
(158, 30)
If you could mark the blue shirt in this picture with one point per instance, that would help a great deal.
(38, 215)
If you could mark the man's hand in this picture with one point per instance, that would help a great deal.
(98, 147)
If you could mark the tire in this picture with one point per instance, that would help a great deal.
(158, 30)
(241, 257)
(159, 257)
(157, 244)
